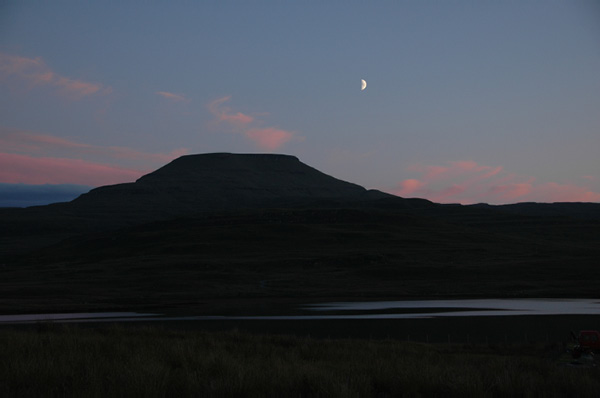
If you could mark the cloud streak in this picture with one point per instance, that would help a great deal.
(468, 182)
(26, 142)
(225, 114)
(34, 158)
(31, 170)
(173, 97)
(33, 72)
(267, 138)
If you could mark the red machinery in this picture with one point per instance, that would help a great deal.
(586, 342)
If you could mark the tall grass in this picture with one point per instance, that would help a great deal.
(117, 361)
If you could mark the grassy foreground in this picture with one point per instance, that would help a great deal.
(153, 362)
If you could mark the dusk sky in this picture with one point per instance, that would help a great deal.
(467, 101)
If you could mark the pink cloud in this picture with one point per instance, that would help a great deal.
(469, 182)
(132, 154)
(26, 142)
(15, 65)
(407, 187)
(567, 193)
(76, 89)
(466, 165)
(35, 158)
(30, 170)
(511, 192)
(449, 193)
(224, 114)
(433, 172)
(34, 72)
(492, 172)
(269, 138)
(172, 96)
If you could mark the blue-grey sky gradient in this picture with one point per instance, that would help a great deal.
(467, 101)
(25, 195)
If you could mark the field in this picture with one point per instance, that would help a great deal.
(220, 263)
(271, 262)
(66, 361)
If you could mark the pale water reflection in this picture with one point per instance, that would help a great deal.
(473, 307)
(407, 309)
(26, 318)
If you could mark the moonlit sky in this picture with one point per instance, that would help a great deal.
(467, 101)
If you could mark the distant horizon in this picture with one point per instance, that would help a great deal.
(464, 102)
(22, 195)
(26, 195)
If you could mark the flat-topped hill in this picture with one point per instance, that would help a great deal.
(221, 181)
(191, 186)
(248, 177)
(237, 227)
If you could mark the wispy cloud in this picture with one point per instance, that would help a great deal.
(225, 114)
(27, 142)
(34, 158)
(33, 72)
(268, 138)
(469, 182)
(32, 170)
(408, 187)
(173, 97)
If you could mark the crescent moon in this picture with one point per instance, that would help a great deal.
(363, 84)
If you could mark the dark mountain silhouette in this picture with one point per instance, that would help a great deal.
(557, 209)
(191, 186)
(236, 227)
(216, 182)
(210, 183)
(221, 181)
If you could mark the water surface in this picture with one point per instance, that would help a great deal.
(26, 318)
(406, 309)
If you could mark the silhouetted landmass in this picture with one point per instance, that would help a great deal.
(559, 209)
(197, 184)
(220, 232)
(222, 181)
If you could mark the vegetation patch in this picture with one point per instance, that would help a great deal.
(67, 361)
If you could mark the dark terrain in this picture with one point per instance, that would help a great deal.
(223, 233)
